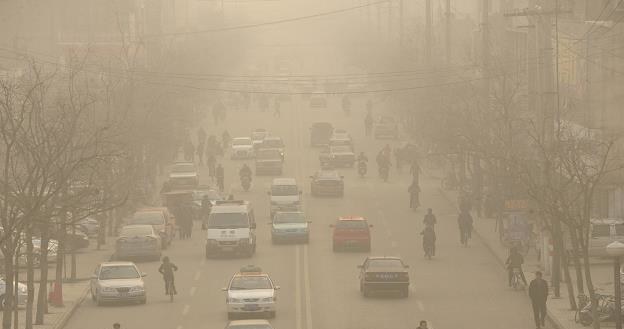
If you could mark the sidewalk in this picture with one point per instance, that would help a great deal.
(74, 293)
(559, 314)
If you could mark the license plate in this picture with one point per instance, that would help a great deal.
(228, 249)
(252, 307)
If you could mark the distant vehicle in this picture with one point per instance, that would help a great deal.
(273, 142)
(251, 291)
(117, 282)
(160, 219)
(351, 233)
(284, 195)
(320, 133)
(242, 148)
(290, 226)
(213, 195)
(138, 241)
(249, 324)
(384, 274)
(22, 293)
(269, 162)
(341, 156)
(183, 175)
(341, 139)
(602, 232)
(258, 136)
(327, 183)
(231, 229)
(89, 226)
(386, 127)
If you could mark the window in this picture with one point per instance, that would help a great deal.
(228, 220)
(250, 282)
(289, 217)
(118, 272)
(352, 224)
(284, 190)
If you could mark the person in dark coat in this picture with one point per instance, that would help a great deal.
(414, 192)
(220, 174)
(538, 292)
(464, 220)
(429, 238)
(430, 218)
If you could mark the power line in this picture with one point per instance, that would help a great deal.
(593, 24)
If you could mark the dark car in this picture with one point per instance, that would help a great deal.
(138, 241)
(269, 162)
(384, 274)
(327, 183)
(74, 238)
(320, 133)
(351, 233)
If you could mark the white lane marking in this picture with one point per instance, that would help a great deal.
(421, 306)
(193, 290)
(297, 290)
(197, 275)
(306, 279)
(186, 309)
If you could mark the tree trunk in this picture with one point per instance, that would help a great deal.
(16, 288)
(42, 297)
(556, 265)
(590, 289)
(60, 255)
(568, 280)
(30, 279)
(576, 259)
(9, 251)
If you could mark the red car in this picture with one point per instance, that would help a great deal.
(351, 233)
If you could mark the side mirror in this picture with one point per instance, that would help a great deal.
(143, 274)
(277, 287)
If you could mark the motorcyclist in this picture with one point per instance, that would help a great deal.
(514, 261)
(166, 269)
(245, 171)
(362, 158)
(429, 238)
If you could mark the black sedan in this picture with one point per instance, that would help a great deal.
(384, 274)
(327, 183)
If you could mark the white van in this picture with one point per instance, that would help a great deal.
(284, 195)
(231, 229)
(602, 232)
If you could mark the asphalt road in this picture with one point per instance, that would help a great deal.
(459, 288)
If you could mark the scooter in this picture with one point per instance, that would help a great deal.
(245, 182)
(362, 168)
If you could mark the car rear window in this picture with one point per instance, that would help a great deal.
(352, 224)
(600, 230)
(118, 272)
(228, 220)
(284, 190)
(136, 230)
(250, 282)
(241, 141)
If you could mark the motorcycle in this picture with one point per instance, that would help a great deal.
(245, 182)
(362, 168)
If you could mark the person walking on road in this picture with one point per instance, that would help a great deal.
(464, 220)
(430, 218)
(538, 292)
(276, 112)
(414, 192)
(220, 177)
(429, 238)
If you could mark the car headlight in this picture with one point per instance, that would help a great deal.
(267, 299)
(108, 289)
(235, 300)
(137, 289)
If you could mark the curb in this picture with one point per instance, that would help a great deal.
(63, 319)
(549, 316)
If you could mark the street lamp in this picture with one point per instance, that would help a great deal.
(616, 250)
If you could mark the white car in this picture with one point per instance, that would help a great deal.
(242, 148)
(251, 291)
(21, 293)
(117, 282)
(249, 324)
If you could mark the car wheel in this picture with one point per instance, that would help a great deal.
(272, 315)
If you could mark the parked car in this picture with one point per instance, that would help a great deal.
(138, 241)
(117, 282)
(89, 226)
(384, 274)
(22, 293)
(327, 183)
(351, 233)
(320, 133)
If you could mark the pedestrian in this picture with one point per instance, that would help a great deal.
(211, 161)
(464, 220)
(415, 170)
(422, 325)
(538, 292)
(220, 177)
(200, 153)
(201, 136)
(276, 112)
(116, 325)
(414, 191)
(429, 238)
(430, 218)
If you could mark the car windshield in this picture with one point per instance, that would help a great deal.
(385, 263)
(284, 190)
(183, 167)
(147, 218)
(241, 141)
(340, 148)
(138, 230)
(289, 217)
(119, 272)
(273, 143)
(268, 154)
(228, 220)
(351, 224)
(250, 282)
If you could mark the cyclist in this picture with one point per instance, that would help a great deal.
(515, 261)
(430, 218)
(166, 269)
(368, 123)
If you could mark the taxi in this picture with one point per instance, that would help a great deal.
(251, 292)
(351, 232)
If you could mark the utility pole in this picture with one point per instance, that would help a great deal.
(428, 32)
(448, 31)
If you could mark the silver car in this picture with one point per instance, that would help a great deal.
(117, 282)
(138, 241)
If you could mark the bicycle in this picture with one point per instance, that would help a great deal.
(170, 290)
(516, 279)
